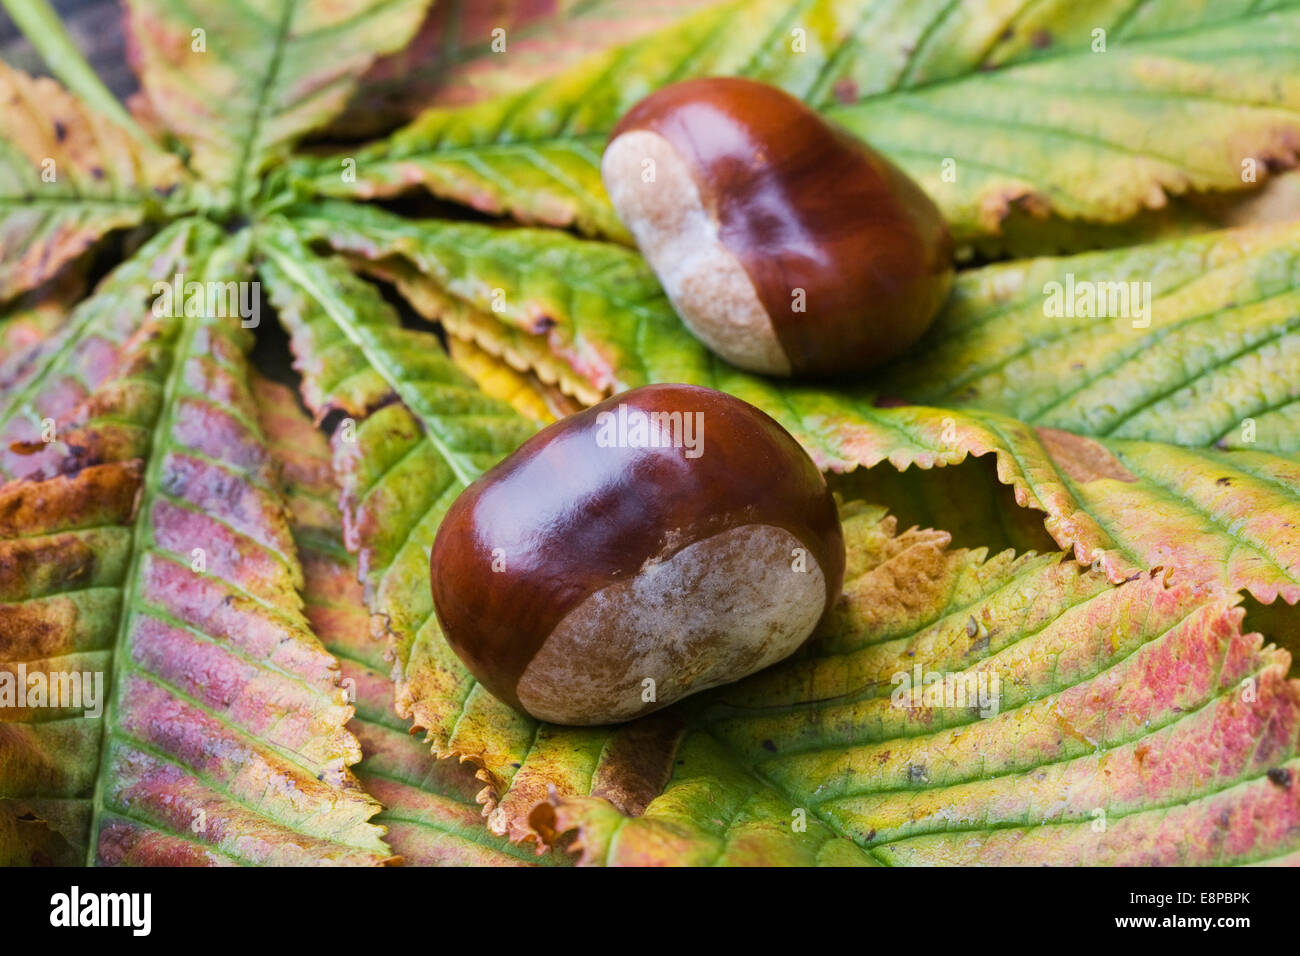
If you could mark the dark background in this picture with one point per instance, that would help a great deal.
(95, 26)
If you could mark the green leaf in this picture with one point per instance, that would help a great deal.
(1206, 337)
(470, 50)
(400, 463)
(430, 810)
(1039, 125)
(1223, 516)
(240, 83)
(1057, 720)
(154, 553)
(68, 176)
(518, 348)
(712, 812)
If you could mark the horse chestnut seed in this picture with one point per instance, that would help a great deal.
(787, 245)
(668, 540)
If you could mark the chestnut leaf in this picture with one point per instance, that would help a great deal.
(521, 390)
(239, 84)
(68, 177)
(87, 347)
(1107, 697)
(32, 319)
(605, 306)
(429, 807)
(1166, 497)
(457, 58)
(1084, 737)
(416, 431)
(1215, 342)
(148, 553)
(170, 522)
(1034, 127)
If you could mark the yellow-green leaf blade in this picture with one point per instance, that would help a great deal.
(470, 50)
(600, 311)
(1193, 342)
(994, 108)
(958, 709)
(417, 431)
(240, 83)
(430, 809)
(68, 176)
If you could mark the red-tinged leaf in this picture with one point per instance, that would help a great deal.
(29, 321)
(68, 177)
(429, 805)
(239, 84)
(154, 561)
(1025, 133)
(107, 348)
(1090, 747)
(1229, 516)
(468, 51)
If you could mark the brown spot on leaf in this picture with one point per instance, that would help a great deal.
(33, 630)
(638, 761)
(99, 495)
(1082, 459)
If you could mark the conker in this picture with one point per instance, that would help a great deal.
(787, 245)
(667, 540)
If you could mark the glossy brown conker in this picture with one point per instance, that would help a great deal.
(787, 245)
(672, 534)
